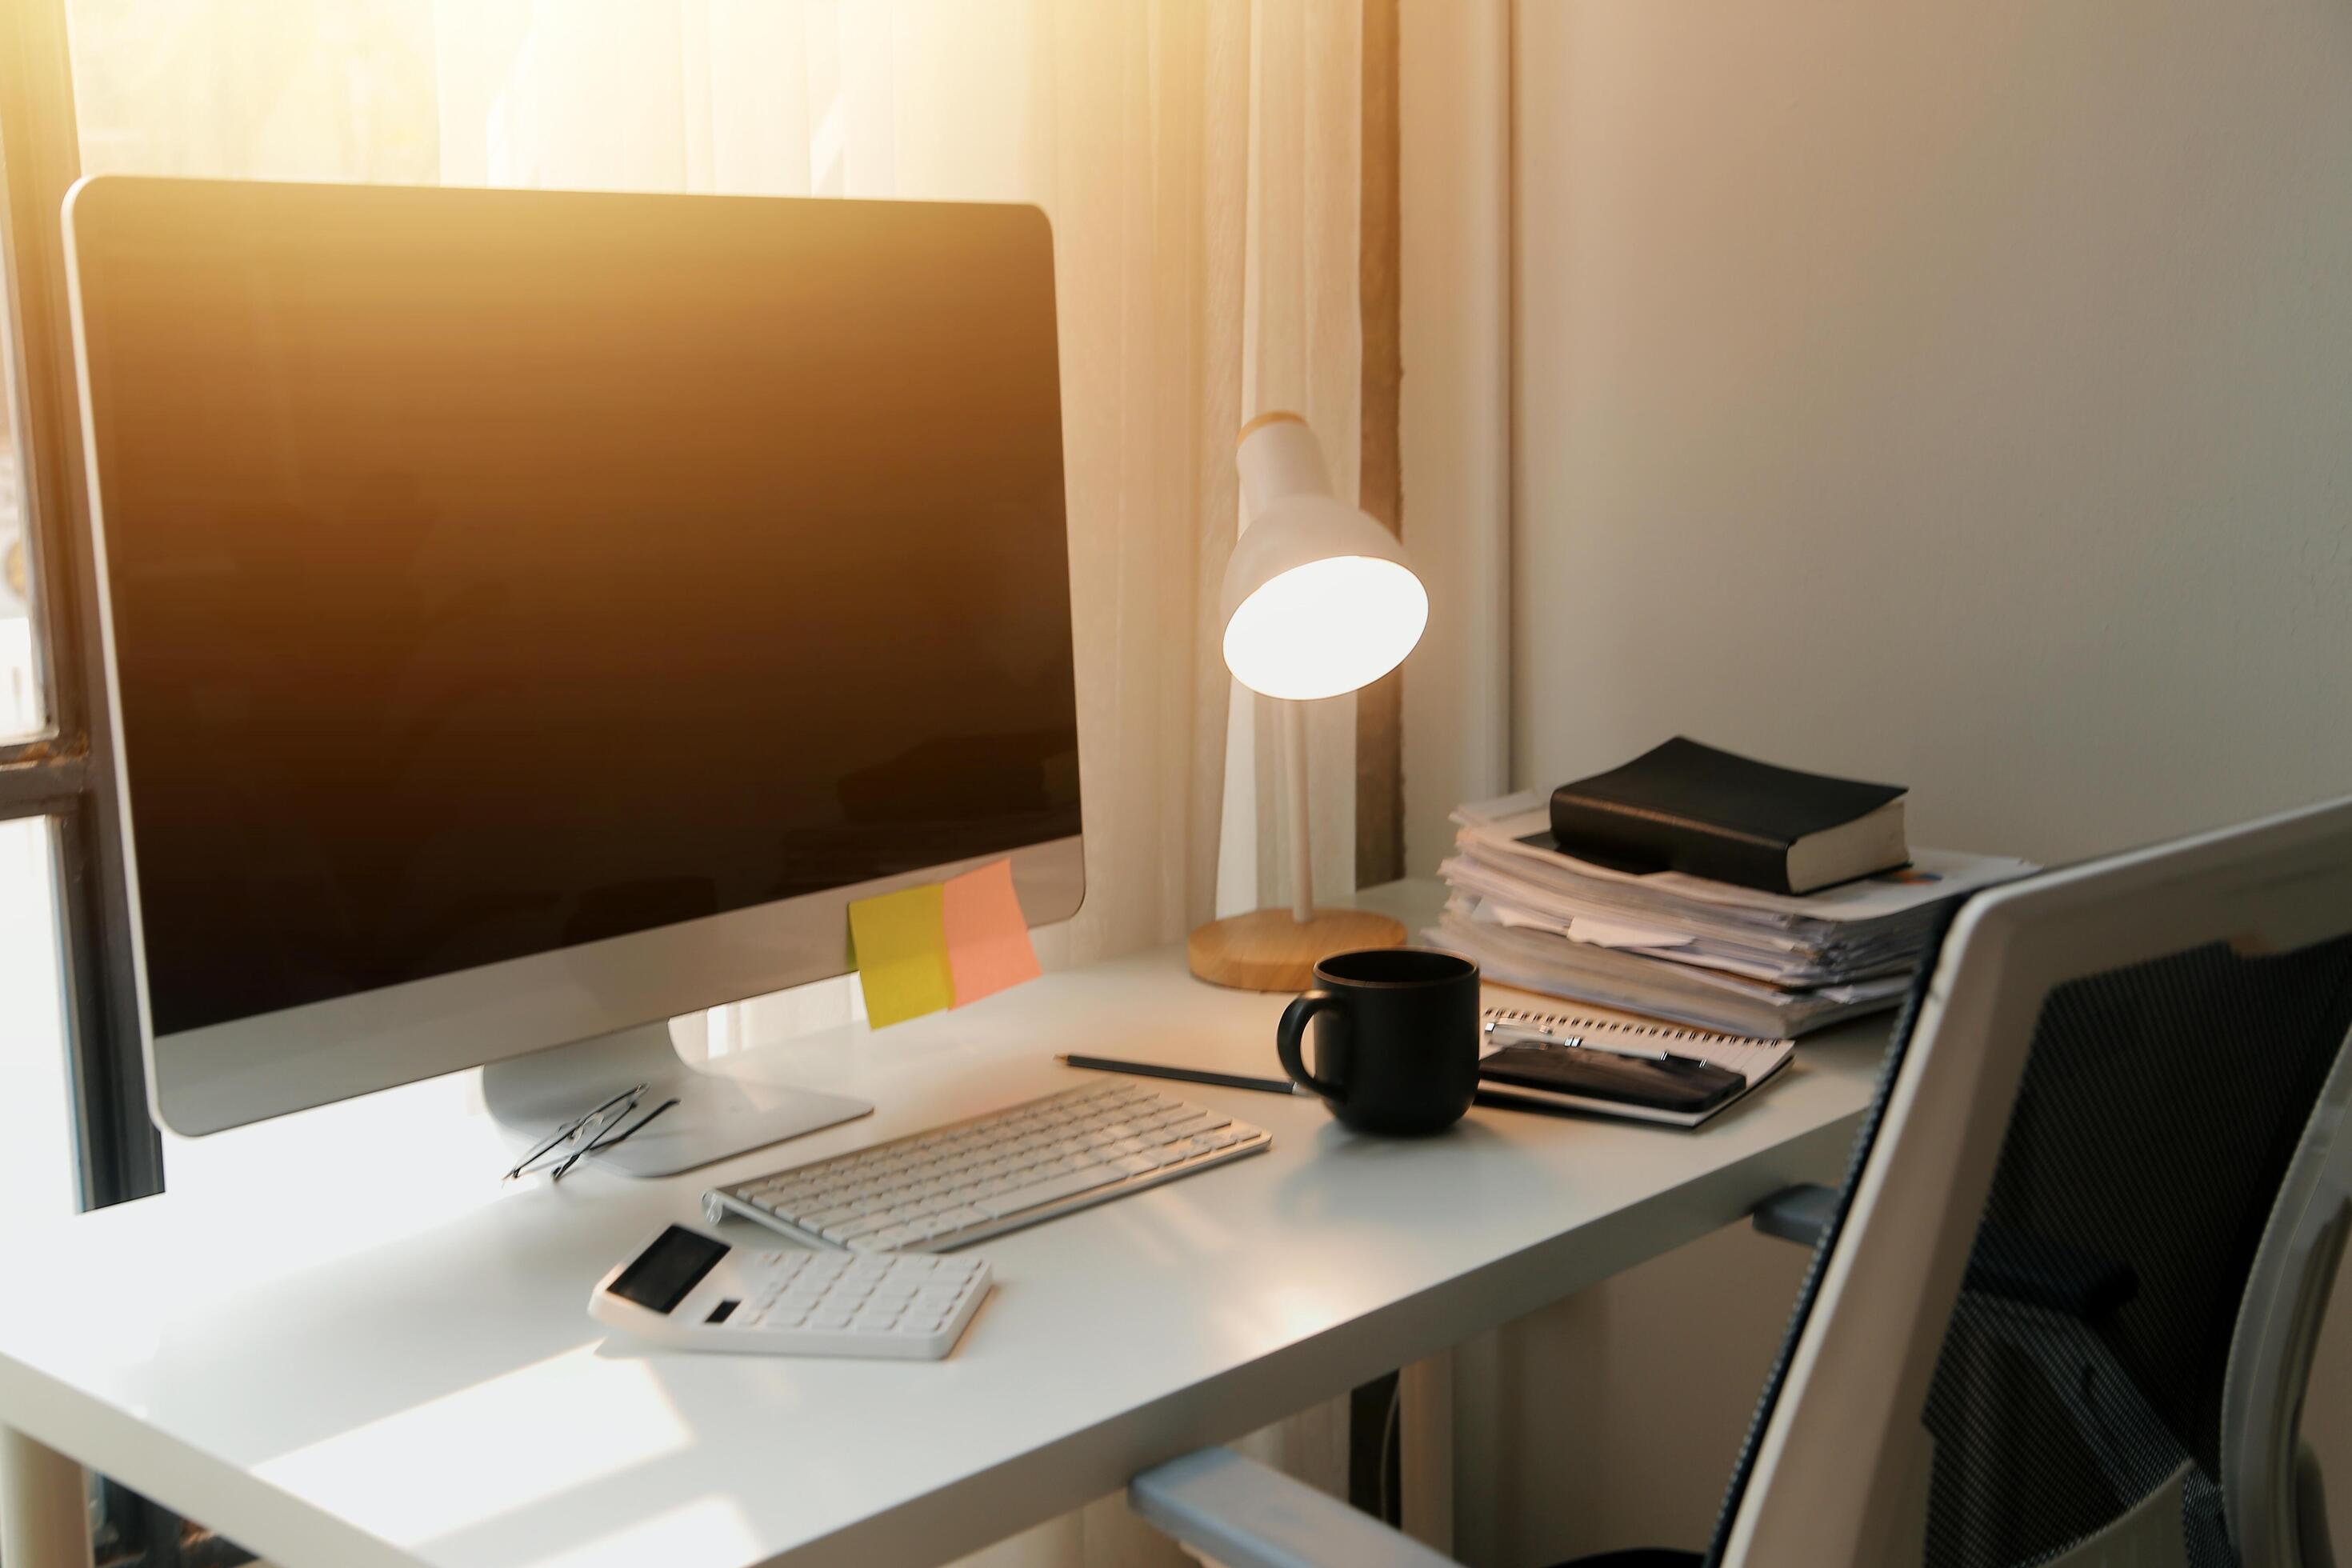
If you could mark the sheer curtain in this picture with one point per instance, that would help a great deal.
(1200, 162)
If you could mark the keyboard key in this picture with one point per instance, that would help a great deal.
(1045, 1192)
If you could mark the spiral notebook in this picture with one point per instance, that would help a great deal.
(1756, 1060)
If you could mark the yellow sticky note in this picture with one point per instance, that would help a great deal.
(987, 938)
(901, 944)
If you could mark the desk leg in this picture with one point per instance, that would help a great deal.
(44, 1506)
(1425, 1450)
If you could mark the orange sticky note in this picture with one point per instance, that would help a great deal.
(901, 942)
(988, 939)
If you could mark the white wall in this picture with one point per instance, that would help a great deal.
(1954, 393)
(1958, 394)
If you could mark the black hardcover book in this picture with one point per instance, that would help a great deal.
(1686, 807)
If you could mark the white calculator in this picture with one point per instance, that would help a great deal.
(695, 1292)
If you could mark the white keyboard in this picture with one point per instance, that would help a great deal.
(699, 1292)
(975, 1179)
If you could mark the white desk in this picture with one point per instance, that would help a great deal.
(347, 1347)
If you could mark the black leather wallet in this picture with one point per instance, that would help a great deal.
(1678, 1083)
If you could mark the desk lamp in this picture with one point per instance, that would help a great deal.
(1318, 601)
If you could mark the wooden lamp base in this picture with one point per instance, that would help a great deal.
(1273, 950)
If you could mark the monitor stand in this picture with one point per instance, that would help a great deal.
(716, 1115)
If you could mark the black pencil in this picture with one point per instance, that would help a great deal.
(1182, 1075)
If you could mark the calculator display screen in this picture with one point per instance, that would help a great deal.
(663, 1273)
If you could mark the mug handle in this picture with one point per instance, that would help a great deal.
(1292, 1031)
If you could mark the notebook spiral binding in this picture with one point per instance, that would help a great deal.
(1552, 1023)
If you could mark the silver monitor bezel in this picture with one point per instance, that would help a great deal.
(228, 1075)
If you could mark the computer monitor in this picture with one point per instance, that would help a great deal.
(532, 615)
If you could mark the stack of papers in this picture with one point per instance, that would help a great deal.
(1680, 947)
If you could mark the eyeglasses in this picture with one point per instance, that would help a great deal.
(591, 1132)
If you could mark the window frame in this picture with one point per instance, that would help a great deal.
(66, 772)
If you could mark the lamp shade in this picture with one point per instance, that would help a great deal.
(1319, 599)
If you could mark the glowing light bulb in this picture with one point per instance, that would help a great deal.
(1319, 597)
(1327, 627)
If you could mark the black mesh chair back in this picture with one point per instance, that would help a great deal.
(2083, 1368)
(2064, 1311)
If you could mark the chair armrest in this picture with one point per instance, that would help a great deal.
(1801, 1215)
(1247, 1516)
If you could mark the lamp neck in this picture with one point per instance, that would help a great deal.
(1302, 845)
(1279, 459)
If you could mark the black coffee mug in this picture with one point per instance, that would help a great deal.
(1396, 1038)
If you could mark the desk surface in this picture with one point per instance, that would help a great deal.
(353, 1348)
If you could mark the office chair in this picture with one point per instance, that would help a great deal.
(2062, 1310)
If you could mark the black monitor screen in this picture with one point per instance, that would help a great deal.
(496, 571)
